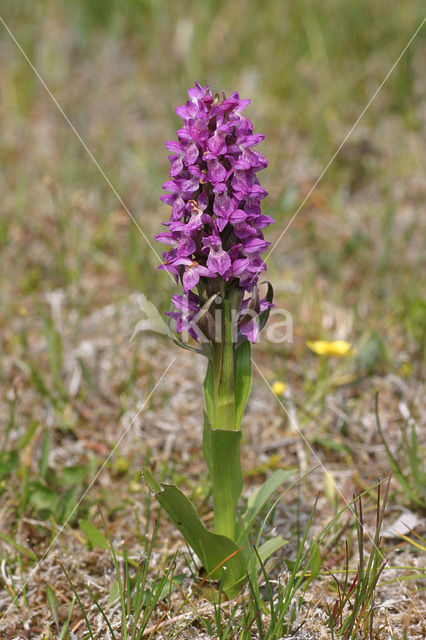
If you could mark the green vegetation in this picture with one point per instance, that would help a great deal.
(72, 262)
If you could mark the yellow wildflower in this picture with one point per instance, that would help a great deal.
(278, 388)
(330, 348)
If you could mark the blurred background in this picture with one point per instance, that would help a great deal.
(119, 70)
(351, 265)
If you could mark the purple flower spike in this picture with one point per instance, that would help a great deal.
(215, 230)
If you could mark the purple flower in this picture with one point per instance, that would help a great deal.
(218, 261)
(183, 244)
(187, 308)
(249, 325)
(215, 229)
(193, 273)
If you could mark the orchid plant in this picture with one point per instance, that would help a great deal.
(216, 241)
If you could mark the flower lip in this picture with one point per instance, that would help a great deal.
(256, 245)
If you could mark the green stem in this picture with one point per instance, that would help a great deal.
(221, 448)
(223, 374)
(222, 437)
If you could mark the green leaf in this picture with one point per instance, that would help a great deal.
(414, 456)
(9, 461)
(221, 450)
(30, 431)
(270, 546)
(371, 352)
(220, 376)
(54, 351)
(42, 498)
(24, 550)
(394, 465)
(243, 379)
(38, 382)
(25, 485)
(151, 482)
(87, 376)
(168, 587)
(315, 560)
(221, 557)
(333, 445)
(114, 593)
(93, 534)
(233, 371)
(44, 458)
(67, 507)
(53, 605)
(74, 474)
(259, 498)
(209, 393)
(226, 397)
(263, 318)
(65, 628)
